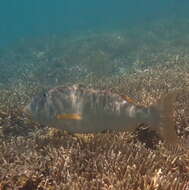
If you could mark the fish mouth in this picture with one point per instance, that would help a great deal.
(27, 110)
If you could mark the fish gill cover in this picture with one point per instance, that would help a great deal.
(137, 49)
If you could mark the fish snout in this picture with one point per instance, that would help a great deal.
(27, 110)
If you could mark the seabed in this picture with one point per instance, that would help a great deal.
(139, 64)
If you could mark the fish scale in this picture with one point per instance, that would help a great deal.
(79, 109)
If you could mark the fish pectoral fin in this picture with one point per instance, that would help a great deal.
(128, 99)
(131, 101)
(71, 116)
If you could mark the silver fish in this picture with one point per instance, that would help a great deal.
(78, 109)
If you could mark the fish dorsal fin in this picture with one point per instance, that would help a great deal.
(71, 116)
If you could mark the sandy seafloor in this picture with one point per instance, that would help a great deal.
(144, 63)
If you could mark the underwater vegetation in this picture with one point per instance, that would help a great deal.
(34, 156)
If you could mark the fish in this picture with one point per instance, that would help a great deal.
(80, 109)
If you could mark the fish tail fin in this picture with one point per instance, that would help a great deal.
(162, 118)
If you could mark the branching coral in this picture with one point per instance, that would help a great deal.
(35, 157)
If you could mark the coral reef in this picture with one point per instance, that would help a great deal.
(146, 68)
(105, 161)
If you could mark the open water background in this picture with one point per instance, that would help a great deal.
(26, 18)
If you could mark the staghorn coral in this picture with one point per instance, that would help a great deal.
(36, 157)
(45, 158)
(33, 157)
(104, 161)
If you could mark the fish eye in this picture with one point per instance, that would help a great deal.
(44, 95)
